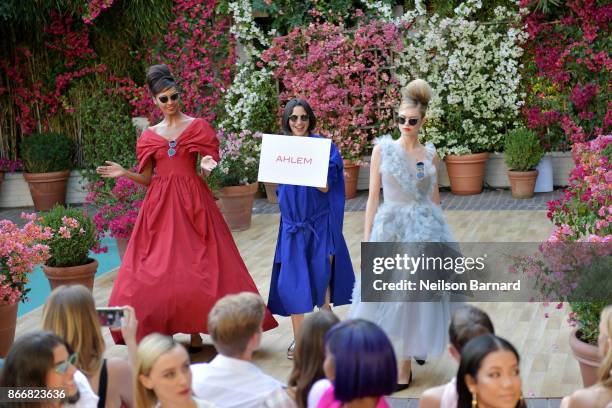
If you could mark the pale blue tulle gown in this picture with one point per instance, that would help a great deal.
(408, 214)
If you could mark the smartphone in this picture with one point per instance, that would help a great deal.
(110, 316)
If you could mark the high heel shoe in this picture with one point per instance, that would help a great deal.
(401, 387)
(291, 350)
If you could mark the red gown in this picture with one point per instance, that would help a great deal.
(181, 257)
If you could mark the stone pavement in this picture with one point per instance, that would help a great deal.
(488, 200)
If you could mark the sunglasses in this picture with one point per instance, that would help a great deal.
(62, 367)
(402, 121)
(294, 118)
(164, 98)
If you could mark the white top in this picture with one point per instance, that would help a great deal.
(230, 382)
(199, 403)
(316, 392)
(449, 395)
(87, 399)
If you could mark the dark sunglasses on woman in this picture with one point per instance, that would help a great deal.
(294, 118)
(164, 98)
(402, 121)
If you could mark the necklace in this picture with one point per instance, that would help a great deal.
(171, 148)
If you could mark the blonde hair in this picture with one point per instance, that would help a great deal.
(70, 313)
(416, 94)
(150, 349)
(605, 368)
(234, 320)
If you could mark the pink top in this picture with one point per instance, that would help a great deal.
(328, 400)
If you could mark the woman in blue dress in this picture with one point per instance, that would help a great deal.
(312, 266)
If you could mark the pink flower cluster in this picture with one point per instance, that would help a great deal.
(201, 54)
(344, 77)
(118, 208)
(11, 166)
(94, 8)
(20, 250)
(571, 53)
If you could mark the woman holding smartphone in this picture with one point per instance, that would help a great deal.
(70, 313)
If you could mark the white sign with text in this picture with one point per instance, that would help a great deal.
(296, 160)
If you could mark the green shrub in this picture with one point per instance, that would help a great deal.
(74, 234)
(522, 150)
(586, 315)
(108, 133)
(47, 152)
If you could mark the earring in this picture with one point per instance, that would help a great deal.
(474, 400)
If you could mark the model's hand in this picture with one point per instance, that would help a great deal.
(208, 163)
(111, 170)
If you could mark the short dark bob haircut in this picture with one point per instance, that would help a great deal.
(472, 355)
(364, 360)
(312, 119)
(159, 79)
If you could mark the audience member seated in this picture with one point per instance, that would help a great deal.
(600, 394)
(42, 360)
(488, 375)
(360, 365)
(231, 379)
(70, 313)
(309, 355)
(466, 323)
(163, 377)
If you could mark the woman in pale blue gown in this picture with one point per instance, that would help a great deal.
(410, 213)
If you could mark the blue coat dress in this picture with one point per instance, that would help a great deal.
(310, 232)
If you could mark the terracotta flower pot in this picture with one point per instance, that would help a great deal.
(271, 192)
(588, 359)
(8, 324)
(466, 172)
(72, 275)
(522, 183)
(351, 176)
(237, 205)
(47, 189)
(122, 246)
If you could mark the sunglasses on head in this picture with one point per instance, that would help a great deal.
(62, 367)
(402, 121)
(294, 118)
(164, 98)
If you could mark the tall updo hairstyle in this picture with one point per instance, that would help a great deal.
(416, 95)
(159, 79)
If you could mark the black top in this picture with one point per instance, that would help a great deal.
(102, 385)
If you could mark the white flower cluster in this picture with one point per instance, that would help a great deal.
(382, 9)
(245, 94)
(474, 70)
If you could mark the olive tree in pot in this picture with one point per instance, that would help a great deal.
(47, 158)
(522, 152)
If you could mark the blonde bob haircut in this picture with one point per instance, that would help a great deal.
(605, 368)
(150, 349)
(70, 313)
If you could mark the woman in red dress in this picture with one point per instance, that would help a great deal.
(181, 257)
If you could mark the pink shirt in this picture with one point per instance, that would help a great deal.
(328, 400)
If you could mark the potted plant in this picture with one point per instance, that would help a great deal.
(47, 158)
(466, 170)
(522, 153)
(234, 180)
(7, 165)
(20, 250)
(118, 208)
(582, 214)
(73, 236)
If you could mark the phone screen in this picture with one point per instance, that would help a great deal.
(110, 316)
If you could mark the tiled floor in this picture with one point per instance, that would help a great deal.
(548, 369)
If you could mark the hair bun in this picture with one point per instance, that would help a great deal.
(418, 91)
(159, 78)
